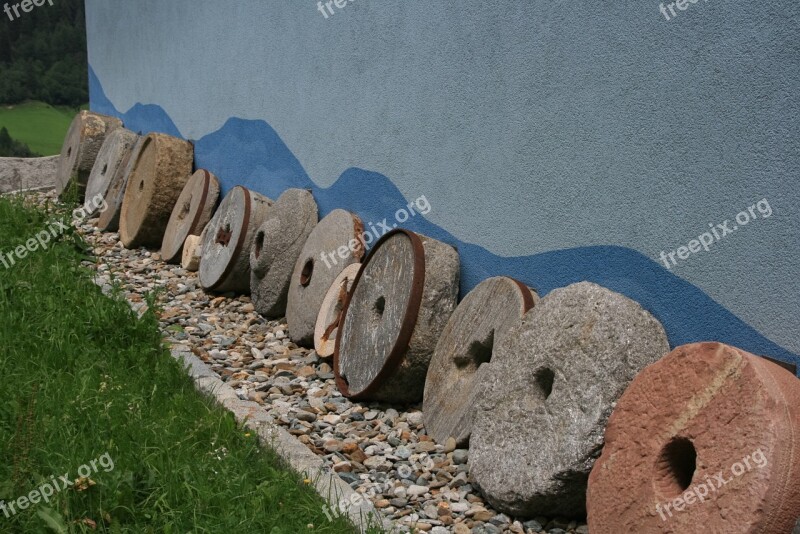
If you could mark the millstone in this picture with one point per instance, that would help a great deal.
(482, 319)
(398, 307)
(705, 410)
(160, 172)
(227, 239)
(278, 244)
(330, 312)
(109, 217)
(113, 154)
(81, 146)
(317, 266)
(191, 213)
(190, 259)
(548, 392)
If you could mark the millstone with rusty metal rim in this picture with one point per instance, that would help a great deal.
(335, 243)
(227, 239)
(113, 154)
(161, 170)
(191, 213)
(400, 302)
(190, 258)
(81, 146)
(704, 410)
(485, 316)
(278, 244)
(329, 314)
(109, 216)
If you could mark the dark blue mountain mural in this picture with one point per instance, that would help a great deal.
(251, 153)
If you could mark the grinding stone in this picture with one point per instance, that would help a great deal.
(109, 217)
(191, 213)
(113, 154)
(330, 312)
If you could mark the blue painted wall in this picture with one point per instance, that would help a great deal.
(555, 141)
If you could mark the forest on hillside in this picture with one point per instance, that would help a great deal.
(43, 55)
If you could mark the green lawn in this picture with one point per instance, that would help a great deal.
(40, 126)
(86, 383)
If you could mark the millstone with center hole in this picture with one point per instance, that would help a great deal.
(333, 244)
(398, 307)
(109, 216)
(227, 239)
(161, 170)
(191, 213)
(329, 314)
(278, 244)
(81, 146)
(190, 258)
(709, 435)
(113, 154)
(547, 394)
(482, 319)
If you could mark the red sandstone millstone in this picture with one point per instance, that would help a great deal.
(191, 213)
(704, 410)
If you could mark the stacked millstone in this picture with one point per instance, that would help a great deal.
(191, 214)
(113, 156)
(109, 214)
(81, 147)
(330, 312)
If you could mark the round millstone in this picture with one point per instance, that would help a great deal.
(329, 314)
(482, 319)
(113, 154)
(333, 244)
(398, 307)
(278, 244)
(547, 395)
(81, 146)
(709, 435)
(109, 214)
(190, 258)
(227, 239)
(159, 174)
(191, 213)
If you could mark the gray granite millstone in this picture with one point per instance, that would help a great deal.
(547, 396)
(317, 267)
(113, 154)
(278, 244)
(110, 212)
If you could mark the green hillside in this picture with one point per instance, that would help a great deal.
(40, 126)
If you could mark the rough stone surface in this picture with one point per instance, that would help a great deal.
(192, 212)
(480, 321)
(114, 153)
(317, 266)
(708, 419)
(159, 174)
(109, 215)
(548, 394)
(81, 146)
(278, 244)
(374, 320)
(329, 313)
(228, 238)
(190, 259)
(21, 174)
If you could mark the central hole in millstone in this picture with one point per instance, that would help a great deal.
(259, 245)
(224, 235)
(478, 352)
(379, 308)
(185, 209)
(69, 151)
(675, 467)
(141, 186)
(307, 273)
(544, 379)
(105, 169)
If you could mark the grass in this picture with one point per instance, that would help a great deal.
(84, 379)
(40, 126)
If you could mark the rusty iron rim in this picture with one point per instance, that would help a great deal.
(527, 298)
(407, 327)
(237, 250)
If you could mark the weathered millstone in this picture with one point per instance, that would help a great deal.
(482, 319)
(113, 154)
(548, 393)
(81, 146)
(227, 239)
(400, 302)
(190, 258)
(191, 213)
(163, 167)
(707, 436)
(333, 244)
(278, 244)
(330, 312)
(109, 215)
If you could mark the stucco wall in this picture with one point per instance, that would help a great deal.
(555, 141)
